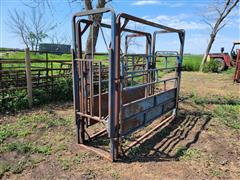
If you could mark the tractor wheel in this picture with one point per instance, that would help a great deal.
(221, 64)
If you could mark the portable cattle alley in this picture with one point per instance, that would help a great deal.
(118, 95)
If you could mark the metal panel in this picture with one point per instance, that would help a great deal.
(154, 112)
(165, 96)
(132, 123)
(137, 107)
(137, 114)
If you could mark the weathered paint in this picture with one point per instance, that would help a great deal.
(140, 112)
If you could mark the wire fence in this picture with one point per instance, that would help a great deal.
(29, 70)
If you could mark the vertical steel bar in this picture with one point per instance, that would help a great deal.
(78, 39)
(150, 62)
(179, 66)
(100, 90)
(132, 69)
(126, 69)
(80, 77)
(84, 86)
(91, 105)
(75, 95)
(113, 89)
(76, 76)
(74, 36)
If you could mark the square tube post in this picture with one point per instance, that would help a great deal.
(113, 120)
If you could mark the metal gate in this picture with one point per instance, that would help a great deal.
(123, 92)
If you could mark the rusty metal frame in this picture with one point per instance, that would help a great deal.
(118, 95)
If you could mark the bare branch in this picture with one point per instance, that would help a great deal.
(208, 23)
(218, 25)
(88, 6)
(32, 29)
(230, 9)
(222, 26)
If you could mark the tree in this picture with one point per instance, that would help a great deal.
(40, 28)
(31, 29)
(92, 41)
(222, 12)
(17, 24)
(89, 5)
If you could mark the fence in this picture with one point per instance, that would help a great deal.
(27, 70)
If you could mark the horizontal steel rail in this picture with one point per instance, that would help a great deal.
(149, 84)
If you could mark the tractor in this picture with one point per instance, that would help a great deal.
(225, 60)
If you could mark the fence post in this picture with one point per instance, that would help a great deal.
(47, 77)
(29, 77)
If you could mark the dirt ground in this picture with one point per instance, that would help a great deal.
(199, 144)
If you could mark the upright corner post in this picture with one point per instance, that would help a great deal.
(179, 66)
(28, 77)
(113, 97)
(76, 96)
(75, 81)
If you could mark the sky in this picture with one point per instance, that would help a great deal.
(180, 14)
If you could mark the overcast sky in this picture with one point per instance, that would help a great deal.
(182, 14)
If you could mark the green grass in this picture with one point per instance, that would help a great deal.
(42, 56)
(226, 108)
(65, 163)
(188, 154)
(28, 124)
(19, 166)
(134, 151)
(215, 172)
(191, 62)
(220, 100)
(230, 71)
(28, 137)
(21, 55)
(228, 115)
(4, 167)
(26, 147)
(17, 100)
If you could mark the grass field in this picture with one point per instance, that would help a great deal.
(190, 62)
(39, 56)
(203, 142)
(21, 55)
